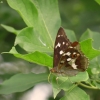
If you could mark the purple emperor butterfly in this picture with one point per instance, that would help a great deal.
(68, 57)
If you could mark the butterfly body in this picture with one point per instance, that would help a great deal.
(68, 57)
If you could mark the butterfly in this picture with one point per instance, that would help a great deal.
(68, 58)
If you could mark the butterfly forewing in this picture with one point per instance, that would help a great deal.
(61, 43)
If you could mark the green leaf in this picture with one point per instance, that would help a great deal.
(98, 1)
(88, 50)
(97, 84)
(93, 35)
(10, 29)
(81, 76)
(66, 83)
(59, 83)
(76, 94)
(94, 63)
(31, 41)
(21, 82)
(94, 66)
(56, 89)
(71, 35)
(36, 57)
(38, 14)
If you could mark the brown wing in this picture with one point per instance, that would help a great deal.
(68, 58)
(61, 44)
(82, 61)
(72, 61)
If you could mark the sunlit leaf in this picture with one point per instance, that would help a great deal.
(98, 1)
(36, 57)
(30, 41)
(38, 14)
(88, 50)
(95, 36)
(10, 29)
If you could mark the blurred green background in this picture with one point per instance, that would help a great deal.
(76, 15)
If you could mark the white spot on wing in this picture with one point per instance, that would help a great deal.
(72, 63)
(62, 62)
(68, 59)
(68, 54)
(58, 45)
(61, 35)
(74, 66)
(63, 43)
(70, 47)
(58, 35)
(66, 43)
(74, 52)
(61, 52)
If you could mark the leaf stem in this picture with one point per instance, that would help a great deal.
(87, 86)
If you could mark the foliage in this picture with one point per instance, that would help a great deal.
(37, 39)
